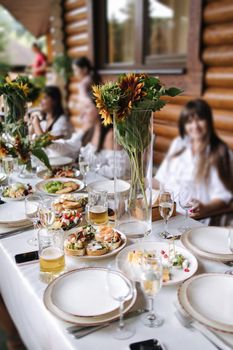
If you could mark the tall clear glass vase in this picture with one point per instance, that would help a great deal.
(133, 137)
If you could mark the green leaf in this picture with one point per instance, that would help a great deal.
(172, 91)
(42, 156)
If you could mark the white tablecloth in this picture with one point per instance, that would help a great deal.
(22, 291)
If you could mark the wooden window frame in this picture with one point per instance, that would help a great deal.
(185, 71)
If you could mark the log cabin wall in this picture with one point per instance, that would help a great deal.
(216, 43)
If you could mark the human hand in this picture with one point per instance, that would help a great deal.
(198, 210)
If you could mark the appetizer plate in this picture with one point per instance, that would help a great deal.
(108, 185)
(208, 242)
(40, 186)
(207, 298)
(84, 320)
(60, 161)
(42, 174)
(13, 214)
(84, 292)
(107, 255)
(133, 270)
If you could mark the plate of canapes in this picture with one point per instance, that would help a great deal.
(91, 243)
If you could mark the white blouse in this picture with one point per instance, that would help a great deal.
(61, 126)
(175, 171)
(103, 162)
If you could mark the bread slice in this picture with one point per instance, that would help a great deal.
(95, 248)
(75, 252)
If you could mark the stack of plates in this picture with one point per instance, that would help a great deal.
(81, 297)
(208, 242)
(207, 298)
(12, 214)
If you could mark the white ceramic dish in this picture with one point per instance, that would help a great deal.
(133, 271)
(13, 213)
(208, 242)
(208, 299)
(105, 256)
(108, 185)
(88, 288)
(40, 185)
(83, 321)
(60, 161)
(41, 174)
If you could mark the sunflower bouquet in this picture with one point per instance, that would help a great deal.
(128, 103)
(14, 138)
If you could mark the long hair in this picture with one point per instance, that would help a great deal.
(103, 133)
(55, 94)
(213, 152)
(84, 62)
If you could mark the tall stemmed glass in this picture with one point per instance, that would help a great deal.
(8, 167)
(151, 283)
(121, 294)
(32, 205)
(230, 245)
(46, 213)
(166, 205)
(84, 168)
(186, 196)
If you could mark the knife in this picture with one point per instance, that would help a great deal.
(77, 329)
(15, 232)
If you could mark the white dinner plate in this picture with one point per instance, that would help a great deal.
(208, 299)
(42, 174)
(107, 255)
(108, 185)
(87, 321)
(60, 161)
(209, 242)
(40, 185)
(133, 271)
(13, 213)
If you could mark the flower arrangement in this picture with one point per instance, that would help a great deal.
(14, 138)
(128, 103)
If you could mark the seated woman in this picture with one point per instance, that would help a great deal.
(54, 120)
(200, 157)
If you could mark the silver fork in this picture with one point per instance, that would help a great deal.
(188, 322)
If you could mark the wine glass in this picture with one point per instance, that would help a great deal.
(8, 167)
(83, 167)
(186, 196)
(46, 213)
(97, 208)
(230, 245)
(32, 205)
(166, 205)
(120, 288)
(151, 283)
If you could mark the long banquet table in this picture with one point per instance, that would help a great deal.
(23, 291)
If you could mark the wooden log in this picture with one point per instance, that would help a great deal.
(79, 51)
(221, 34)
(74, 4)
(218, 12)
(158, 157)
(227, 138)
(165, 130)
(77, 27)
(170, 113)
(219, 98)
(221, 56)
(76, 15)
(162, 144)
(77, 40)
(219, 77)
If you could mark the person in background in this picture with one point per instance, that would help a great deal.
(40, 62)
(54, 119)
(200, 157)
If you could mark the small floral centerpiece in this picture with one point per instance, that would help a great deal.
(14, 138)
(128, 103)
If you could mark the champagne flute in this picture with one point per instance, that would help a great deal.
(186, 196)
(83, 167)
(120, 288)
(46, 213)
(166, 205)
(8, 167)
(32, 205)
(151, 283)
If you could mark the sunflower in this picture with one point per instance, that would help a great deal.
(105, 114)
(24, 88)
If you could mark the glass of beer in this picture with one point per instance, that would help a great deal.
(51, 253)
(97, 208)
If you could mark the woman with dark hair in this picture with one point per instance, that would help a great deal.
(86, 75)
(54, 119)
(200, 157)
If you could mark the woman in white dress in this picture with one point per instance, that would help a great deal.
(198, 156)
(55, 121)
